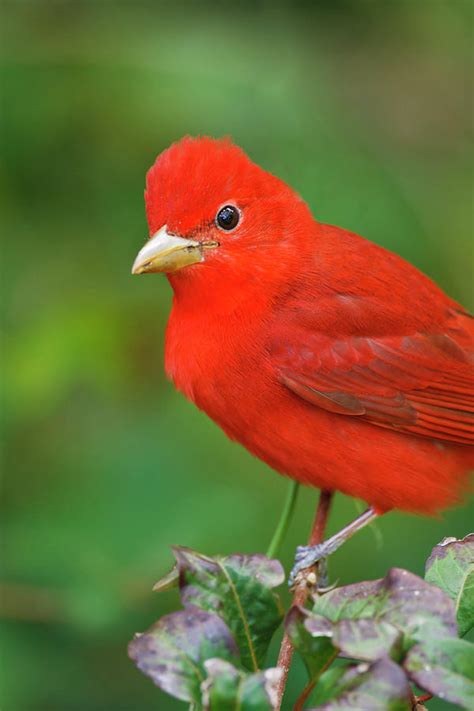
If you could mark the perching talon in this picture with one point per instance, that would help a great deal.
(307, 556)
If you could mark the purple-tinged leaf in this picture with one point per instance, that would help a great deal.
(239, 588)
(367, 639)
(173, 651)
(317, 639)
(269, 572)
(317, 625)
(316, 651)
(444, 668)
(382, 686)
(451, 567)
(405, 601)
(229, 689)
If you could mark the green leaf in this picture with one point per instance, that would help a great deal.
(382, 686)
(444, 668)
(239, 589)
(409, 604)
(451, 567)
(173, 651)
(168, 581)
(328, 683)
(229, 689)
(316, 651)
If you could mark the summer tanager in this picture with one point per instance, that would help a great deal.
(333, 360)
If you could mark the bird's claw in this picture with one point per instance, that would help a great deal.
(305, 557)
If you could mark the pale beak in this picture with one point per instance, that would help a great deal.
(167, 253)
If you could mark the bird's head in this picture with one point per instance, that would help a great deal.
(215, 215)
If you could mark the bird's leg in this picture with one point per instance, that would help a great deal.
(309, 555)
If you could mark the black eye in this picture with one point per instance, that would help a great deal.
(228, 217)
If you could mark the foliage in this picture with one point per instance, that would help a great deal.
(451, 566)
(230, 615)
(228, 689)
(381, 686)
(364, 645)
(174, 650)
(240, 589)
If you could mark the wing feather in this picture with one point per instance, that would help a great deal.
(421, 384)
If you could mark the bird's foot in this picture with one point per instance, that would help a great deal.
(323, 576)
(308, 556)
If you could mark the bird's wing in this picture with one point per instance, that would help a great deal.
(421, 383)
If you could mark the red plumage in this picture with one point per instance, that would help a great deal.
(333, 360)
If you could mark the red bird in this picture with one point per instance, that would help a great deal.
(331, 359)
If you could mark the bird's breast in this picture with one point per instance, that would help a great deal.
(219, 364)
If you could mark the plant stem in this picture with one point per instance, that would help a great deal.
(418, 702)
(285, 519)
(303, 697)
(302, 589)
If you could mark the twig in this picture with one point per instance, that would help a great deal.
(422, 699)
(302, 589)
(418, 703)
(303, 697)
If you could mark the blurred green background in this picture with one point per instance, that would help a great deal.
(364, 107)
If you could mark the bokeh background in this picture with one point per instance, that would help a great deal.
(365, 108)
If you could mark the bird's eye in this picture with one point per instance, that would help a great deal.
(228, 217)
